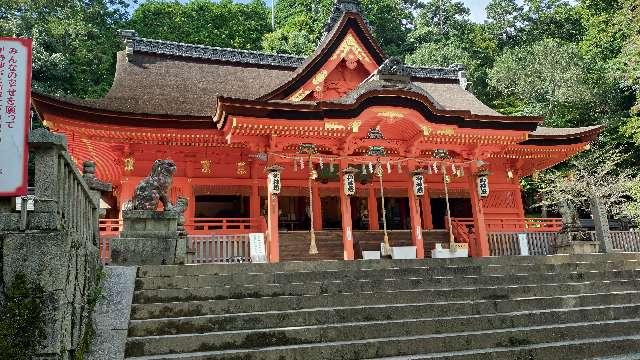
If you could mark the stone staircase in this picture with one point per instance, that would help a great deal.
(569, 307)
(294, 245)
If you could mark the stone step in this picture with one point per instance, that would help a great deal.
(605, 348)
(204, 269)
(245, 339)
(337, 315)
(327, 287)
(243, 279)
(407, 345)
(227, 306)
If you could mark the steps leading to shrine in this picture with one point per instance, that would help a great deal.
(294, 245)
(512, 307)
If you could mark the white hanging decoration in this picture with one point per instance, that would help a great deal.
(453, 168)
(399, 168)
(435, 167)
(321, 163)
(295, 164)
(370, 167)
(331, 166)
(461, 171)
(429, 171)
(388, 167)
(364, 168)
(301, 164)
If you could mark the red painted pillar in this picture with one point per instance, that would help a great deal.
(254, 201)
(481, 246)
(427, 218)
(373, 209)
(272, 228)
(347, 227)
(317, 207)
(414, 216)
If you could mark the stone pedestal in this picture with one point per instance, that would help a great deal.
(574, 241)
(149, 238)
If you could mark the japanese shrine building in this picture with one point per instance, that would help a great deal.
(225, 115)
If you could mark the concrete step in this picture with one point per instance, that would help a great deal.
(338, 315)
(243, 279)
(227, 306)
(407, 345)
(195, 290)
(602, 348)
(205, 269)
(413, 271)
(151, 345)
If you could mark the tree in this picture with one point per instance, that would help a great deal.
(204, 22)
(596, 174)
(503, 17)
(440, 21)
(547, 78)
(74, 42)
(298, 21)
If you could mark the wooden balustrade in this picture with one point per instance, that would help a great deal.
(516, 224)
(206, 227)
(226, 226)
(627, 241)
(219, 248)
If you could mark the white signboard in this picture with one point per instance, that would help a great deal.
(418, 184)
(483, 186)
(349, 184)
(274, 182)
(256, 248)
(524, 244)
(15, 90)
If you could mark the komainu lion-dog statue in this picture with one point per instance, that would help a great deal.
(154, 189)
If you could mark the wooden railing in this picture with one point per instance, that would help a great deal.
(110, 227)
(515, 224)
(627, 241)
(219, 248)
(226, 226)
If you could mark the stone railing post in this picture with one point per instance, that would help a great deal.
(45, 148)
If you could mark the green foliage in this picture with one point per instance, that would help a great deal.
(22, 328)
(204, 22)
(74, 41)
(549, 76)
(300, 24)
(95, 295)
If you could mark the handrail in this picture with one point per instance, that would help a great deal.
(516, 224)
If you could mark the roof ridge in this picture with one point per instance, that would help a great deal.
(135, 43)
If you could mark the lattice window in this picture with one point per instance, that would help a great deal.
(501, 199)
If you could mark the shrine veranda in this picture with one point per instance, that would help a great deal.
(224, 116)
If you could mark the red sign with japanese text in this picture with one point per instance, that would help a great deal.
(15, 100)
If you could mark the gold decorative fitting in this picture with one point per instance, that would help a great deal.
(205, 166)
(350, 44)
(447, 132)
(426, 130)
(320, 77)
(299, 95)
(241, 168)
(333, 126)
(391, 115)
(129, 164)
(355, 125)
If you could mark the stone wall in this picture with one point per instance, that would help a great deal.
(56, 244)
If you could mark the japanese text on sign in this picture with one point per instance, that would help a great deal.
(483, 186)
(349, 184)
(15, 87)
(418, 185)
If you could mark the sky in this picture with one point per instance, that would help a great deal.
(477, 9)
